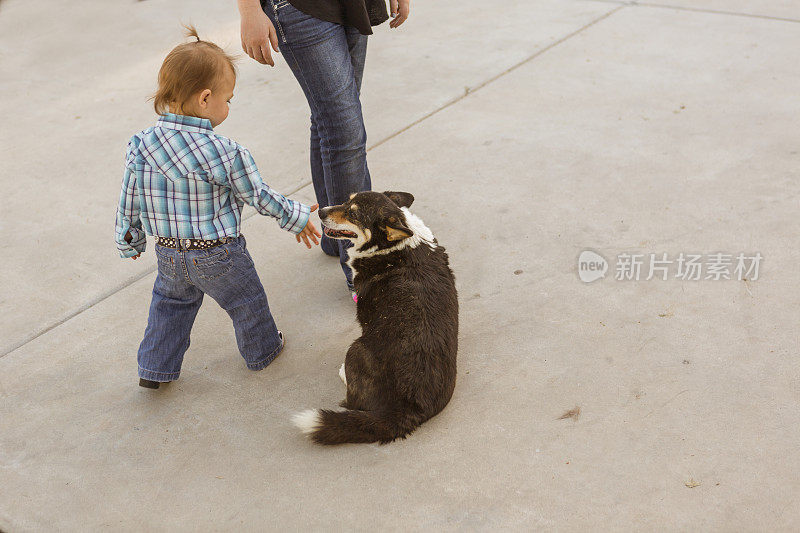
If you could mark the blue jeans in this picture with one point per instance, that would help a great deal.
(328, 61)
(228, 275)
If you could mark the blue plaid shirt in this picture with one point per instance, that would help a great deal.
(184, 181)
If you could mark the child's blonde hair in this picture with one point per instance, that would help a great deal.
(188, 69)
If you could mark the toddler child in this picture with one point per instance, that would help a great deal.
(186, 186)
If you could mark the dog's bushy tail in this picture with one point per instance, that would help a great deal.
(324, 426)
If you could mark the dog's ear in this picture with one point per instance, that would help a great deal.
(396, 230)
(402, 199)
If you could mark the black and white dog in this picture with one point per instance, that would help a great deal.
(402, 370)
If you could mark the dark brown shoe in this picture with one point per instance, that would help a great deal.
(147, 384)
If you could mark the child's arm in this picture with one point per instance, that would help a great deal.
(248, 186)
(130, 237)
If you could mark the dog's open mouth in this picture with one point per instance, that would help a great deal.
(339, 233)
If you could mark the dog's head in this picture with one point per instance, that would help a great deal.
(369, 218)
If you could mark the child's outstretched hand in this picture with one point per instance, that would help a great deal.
(309, 232)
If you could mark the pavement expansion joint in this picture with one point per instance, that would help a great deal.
(697, 10)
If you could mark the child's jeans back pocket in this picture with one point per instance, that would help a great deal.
(166, 264)
(215, 265)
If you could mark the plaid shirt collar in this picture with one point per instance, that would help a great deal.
(172, 121)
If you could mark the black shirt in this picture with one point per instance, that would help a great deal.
(361, 14)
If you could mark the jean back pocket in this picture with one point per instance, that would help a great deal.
(166, 264)
(215, 265)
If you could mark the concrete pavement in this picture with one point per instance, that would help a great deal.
(528, 132)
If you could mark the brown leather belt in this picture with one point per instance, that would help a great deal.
(191, 244)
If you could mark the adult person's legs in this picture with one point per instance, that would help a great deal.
(328, 61)
(357, 45)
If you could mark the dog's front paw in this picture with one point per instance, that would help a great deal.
(342, 376)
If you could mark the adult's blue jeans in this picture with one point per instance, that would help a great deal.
(227, 274)
(328, 61)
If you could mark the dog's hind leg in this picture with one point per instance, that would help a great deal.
(359, 368)
(342, 376)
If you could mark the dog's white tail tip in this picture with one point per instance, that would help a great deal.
(308, 421)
